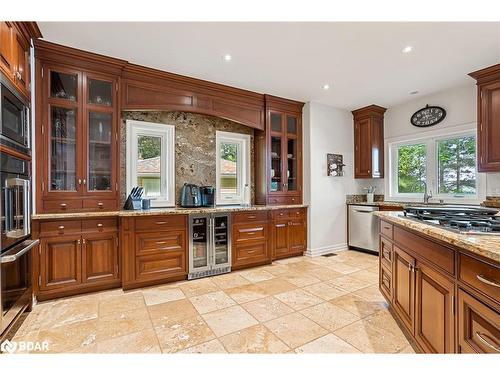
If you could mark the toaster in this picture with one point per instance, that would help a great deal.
(190, 196)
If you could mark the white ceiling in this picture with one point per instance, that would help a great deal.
(362, 62)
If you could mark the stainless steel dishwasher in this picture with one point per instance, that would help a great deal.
(363, 228)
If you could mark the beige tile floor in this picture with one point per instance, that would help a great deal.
(296, 305)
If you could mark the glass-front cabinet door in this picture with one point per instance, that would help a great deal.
(292, 149)
(221, 240)
(277, 181)
(100, 131)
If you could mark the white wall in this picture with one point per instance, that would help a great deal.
(460, 104)
(328, 130)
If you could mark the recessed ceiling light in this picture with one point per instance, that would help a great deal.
(414, 92)
(227, 57)
(326, 86)
(407, 49)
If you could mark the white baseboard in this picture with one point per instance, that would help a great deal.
(326, 250)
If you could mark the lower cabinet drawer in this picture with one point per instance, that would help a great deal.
(481, 276)
(62, 205)
(386, 229)
(250, 252)
(60, 227)
(160, 223)
(478, 326)
(100, 204)
(385, 282)
(161, 242)
(285, 200)
(244, 232)
(99, 225)
(158, 266)
(245, 217)
(385, 252)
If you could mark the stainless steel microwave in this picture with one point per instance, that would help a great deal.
(14, 115)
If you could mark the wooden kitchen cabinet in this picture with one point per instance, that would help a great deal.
(75, 256)
(289, 232)
(250, 245)
(434, 310)
(369, 142)
(278, 152)
(78, 132)
(404, 287)
(15, 41)
(488, 118)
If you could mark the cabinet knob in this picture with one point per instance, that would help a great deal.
(99, 225)
(100, 204)
(61, 227)
(293, 199)
(63, 206)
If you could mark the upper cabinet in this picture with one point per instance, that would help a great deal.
(369, 142)
(279, 153)
(78, 129)
(488, 118)
(15, 41)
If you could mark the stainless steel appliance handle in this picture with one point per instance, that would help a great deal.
(13, 257)
(363, 211)
(8, 208)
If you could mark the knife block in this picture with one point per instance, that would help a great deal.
(133, 203)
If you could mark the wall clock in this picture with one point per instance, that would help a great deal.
(428, 116)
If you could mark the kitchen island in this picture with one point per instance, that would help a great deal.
(443, 288)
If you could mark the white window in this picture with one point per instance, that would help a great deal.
(150, 161)
(446, 164)
(232, 168)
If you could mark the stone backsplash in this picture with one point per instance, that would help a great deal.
(359, 198)
(194, 146)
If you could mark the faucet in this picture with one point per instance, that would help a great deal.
(427, 195)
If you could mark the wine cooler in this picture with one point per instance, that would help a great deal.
(209, 245)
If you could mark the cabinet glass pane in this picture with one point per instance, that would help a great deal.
(221, 239)
(149, 165)
(100, 92)
(200, 242)
(62, 149)
(276, 122)
(63, 85)
(276, 163)
(291, 124)
(292, 164)
(99, 158)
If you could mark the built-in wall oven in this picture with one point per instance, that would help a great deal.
(14, 117)
(16, 245)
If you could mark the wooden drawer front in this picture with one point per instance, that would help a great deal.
(482, 276)
(245, 232)
(99, 225)
(385, 253)
(442, 257)
(158, 266)
(162, 243)
(62, 205)
(385, 282)
(285, 200)
(478, 326)
(100, 204)
(58, 228)
(280, 214)
(250, 252)
(245, 217)
(297, 213)
(386, 229)
(158, 223)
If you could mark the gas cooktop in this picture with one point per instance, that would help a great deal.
(470, 220)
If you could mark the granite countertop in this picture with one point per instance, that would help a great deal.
(379, 203)
(159, 211)
(484, 245)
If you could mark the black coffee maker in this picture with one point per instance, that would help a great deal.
(207, 196)
(190, 196)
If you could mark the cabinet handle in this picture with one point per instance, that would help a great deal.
(293, 199)
(79, 181)
(161, 222)
(78, 242)
(99, 225)
(281, 213)
(100, 204)
(251, 230)
(280, 225)
(84, 240)
(251, 233)
(487, 281)
(84, 181)
(61, 227)
(63, 205)
(481, 338)
(161, 242)
(251, 216)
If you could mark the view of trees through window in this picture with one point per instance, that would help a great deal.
(412, 168)
(148, 165)
(228, 167)
(457, 165)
